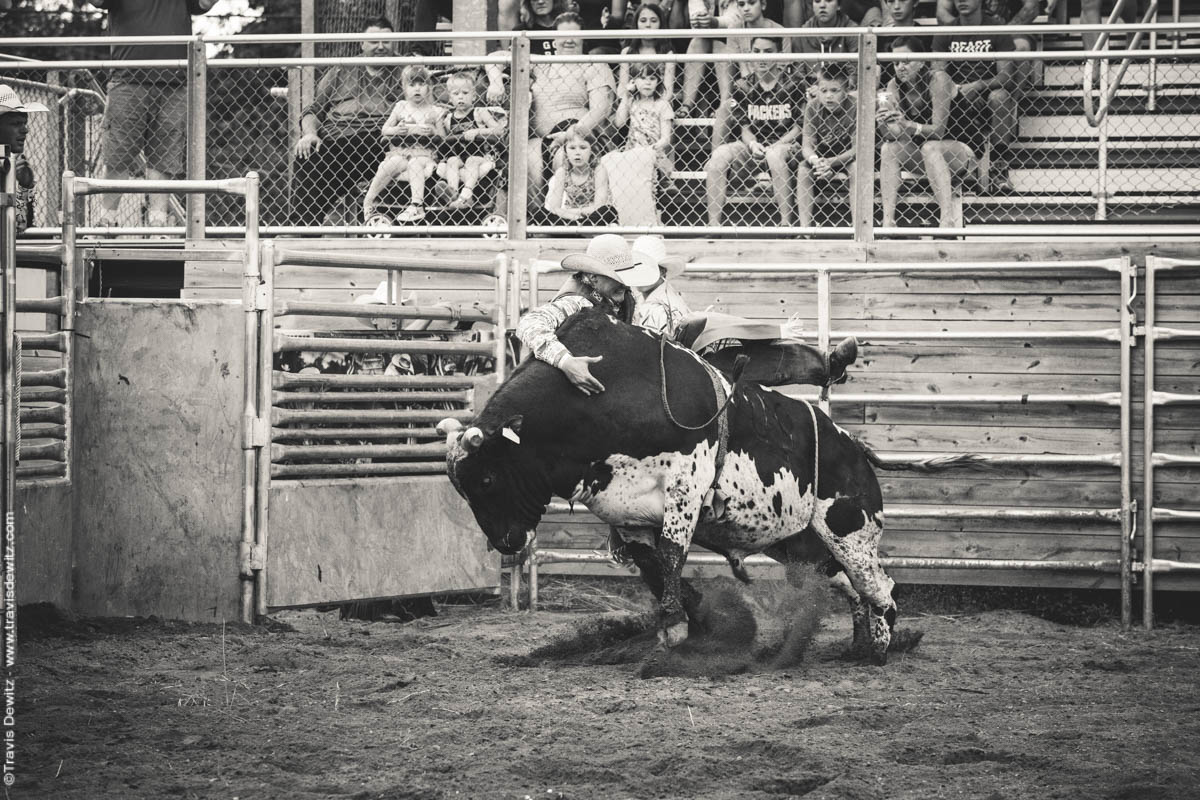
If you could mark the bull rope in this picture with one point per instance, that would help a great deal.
(712, 373)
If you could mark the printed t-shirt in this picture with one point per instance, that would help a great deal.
(967, 71)
(768, 113)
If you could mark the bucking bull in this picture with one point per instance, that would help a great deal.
(675, 452)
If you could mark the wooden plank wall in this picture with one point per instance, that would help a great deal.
(917, 302)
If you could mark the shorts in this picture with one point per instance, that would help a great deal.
(149, 119)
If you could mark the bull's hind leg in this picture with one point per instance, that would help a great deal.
(852, 535)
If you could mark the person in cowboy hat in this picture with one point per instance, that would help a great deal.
(601, 277)
(663, 307)
(14, 127)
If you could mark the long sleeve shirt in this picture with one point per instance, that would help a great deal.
(662, 311)
(537, 329)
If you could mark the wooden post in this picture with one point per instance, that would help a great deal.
(470, 15)
(197, 110)
(863, 202)
(1127, 344)
(518, 138)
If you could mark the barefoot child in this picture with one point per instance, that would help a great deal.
(468, 148)
(411, 126)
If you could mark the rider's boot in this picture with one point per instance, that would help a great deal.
(841, 357)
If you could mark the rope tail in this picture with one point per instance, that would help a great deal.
(970, 461)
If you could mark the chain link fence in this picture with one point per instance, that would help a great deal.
(610, 146)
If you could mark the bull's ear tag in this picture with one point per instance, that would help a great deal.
(511, 435)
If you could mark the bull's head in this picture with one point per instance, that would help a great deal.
(504, 482)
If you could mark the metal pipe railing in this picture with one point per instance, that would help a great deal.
(1093, 116)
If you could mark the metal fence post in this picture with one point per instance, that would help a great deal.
(197, 106)
(10, 424)
(518, 137)
(863, 210)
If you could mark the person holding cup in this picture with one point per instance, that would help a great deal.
(916, 120)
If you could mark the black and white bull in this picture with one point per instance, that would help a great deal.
(789, 483)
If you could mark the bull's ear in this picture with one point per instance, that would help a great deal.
(512, 428)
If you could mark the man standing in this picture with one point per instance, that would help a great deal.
(145, 120)
(14, 127)
(341, 140)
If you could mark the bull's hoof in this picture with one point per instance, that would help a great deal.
(673, 631)
(879, 656)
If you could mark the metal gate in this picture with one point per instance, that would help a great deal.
(1156, 268)
(345, 470)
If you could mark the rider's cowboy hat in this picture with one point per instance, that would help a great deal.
(610, 255)
(656, 248)
(10, 101)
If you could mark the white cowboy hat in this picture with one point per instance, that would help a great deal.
(656, 248)
(10, 101)
(610, 255)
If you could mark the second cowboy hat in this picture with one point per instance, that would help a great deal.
(656, 248)
(610, 255)
(10, 101)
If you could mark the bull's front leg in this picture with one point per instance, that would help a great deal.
(679, 524)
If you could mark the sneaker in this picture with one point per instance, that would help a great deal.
(1000, 181)
(411, 214)
(378, 221)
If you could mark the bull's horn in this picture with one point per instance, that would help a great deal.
(448, 425)
(472, 438)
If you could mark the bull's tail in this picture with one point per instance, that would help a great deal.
(971, 461)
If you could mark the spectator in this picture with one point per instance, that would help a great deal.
(766, 116)
(536, 16)
(146, 113)
(411, 127)
(896, 14)
(826, 14)
(470, 134)
(828, 142)
(600, 15)
(739, 14)
(14, 128)
(648, 112)
(340, 138)
(663, 307)
(985, 85)
(568, 99)
(579, 192)
(649, 17)
(864, 13)
(915, 114)
(1010, 12)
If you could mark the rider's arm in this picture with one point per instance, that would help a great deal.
(536, 330)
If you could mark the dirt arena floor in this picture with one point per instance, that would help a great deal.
(575, 702)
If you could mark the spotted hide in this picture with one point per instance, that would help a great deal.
(790, 484)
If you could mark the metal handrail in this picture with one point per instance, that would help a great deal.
(1094, 117)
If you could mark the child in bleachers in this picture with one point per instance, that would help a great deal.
(742, 14)
(579, 191)
(648, 112)
(469, 134)
(827, 144)
(412, 127)
(826, 14)
(766, 115)
(649, 17)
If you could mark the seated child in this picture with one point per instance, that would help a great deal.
(411, 127)
(827, 143)
(648, 112)
(468, 146)
(579, 191)
(650, 17)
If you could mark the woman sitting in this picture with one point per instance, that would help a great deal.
(915, 117)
